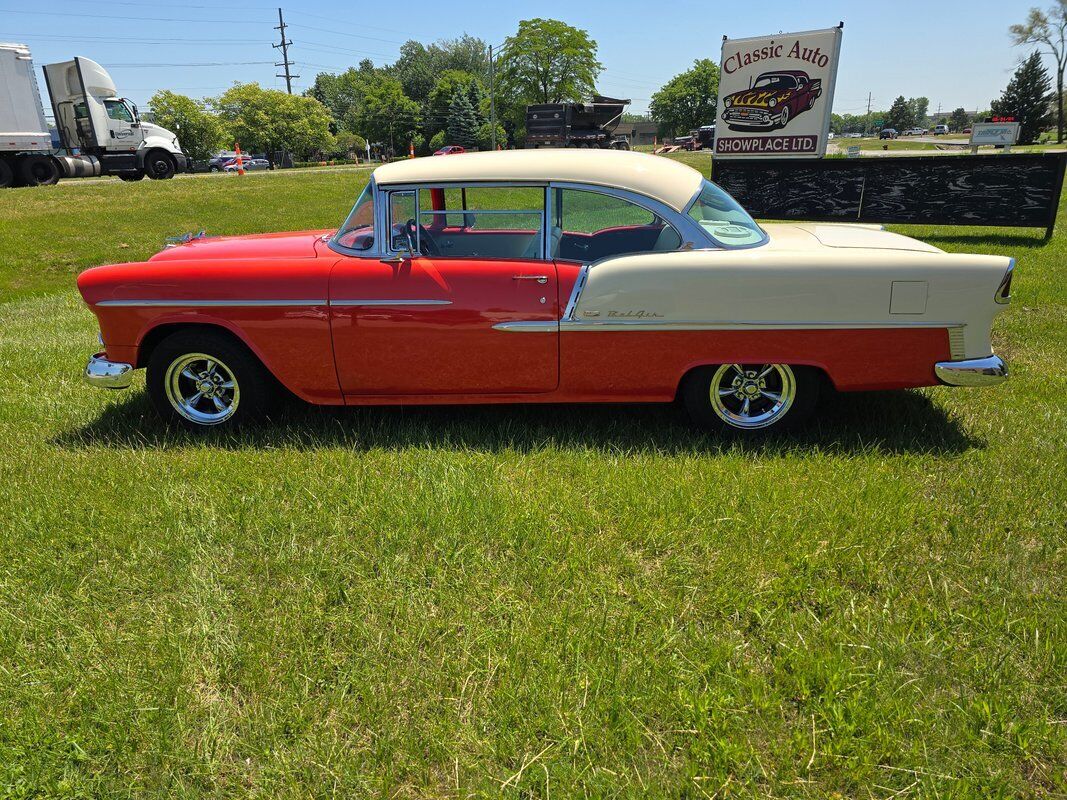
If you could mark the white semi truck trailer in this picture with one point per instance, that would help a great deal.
(100, 133)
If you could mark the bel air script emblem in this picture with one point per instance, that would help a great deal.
(635, 314)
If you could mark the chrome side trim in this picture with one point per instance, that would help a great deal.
(155, 303)
(356, 303)
(104, 374)
(726, 325)
(576, 292)
(528, 326)
(988, 371)
(1003, 293)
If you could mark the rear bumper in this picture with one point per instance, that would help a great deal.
(104, 374)
(987, 371)
(182, 162)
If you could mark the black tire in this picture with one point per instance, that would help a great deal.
(179, 369)
(213, 168)
(38, 171)
(132, 176)
(762, 398)
(158, 165)
(7, 175)
(783, 118)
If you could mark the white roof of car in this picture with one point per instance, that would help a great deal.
(662, 179)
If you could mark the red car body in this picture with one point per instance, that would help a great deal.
(450, 150)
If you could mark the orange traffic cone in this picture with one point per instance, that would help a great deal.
(411, 150)
(240, 161)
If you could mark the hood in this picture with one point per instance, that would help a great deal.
(151, 129)
(303, 244)
(760, 98)
(839, 235)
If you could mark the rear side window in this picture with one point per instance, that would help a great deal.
(590, 226)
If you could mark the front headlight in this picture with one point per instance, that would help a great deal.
(728, 102)
(772, 102)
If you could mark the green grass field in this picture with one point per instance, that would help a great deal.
(522, 602)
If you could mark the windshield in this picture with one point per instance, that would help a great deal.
(723, 219)
(777, 82)
(358, 231)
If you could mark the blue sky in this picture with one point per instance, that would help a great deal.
(954, 52)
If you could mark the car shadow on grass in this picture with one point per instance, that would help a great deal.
(883, 422)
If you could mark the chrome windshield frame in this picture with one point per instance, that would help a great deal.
(375, 250)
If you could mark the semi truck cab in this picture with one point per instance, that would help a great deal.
(94, 120)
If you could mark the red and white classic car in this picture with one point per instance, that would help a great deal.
(550, 277)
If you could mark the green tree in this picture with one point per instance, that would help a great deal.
(548, 61)
(268, 119)
(200, 132)
(347, 144)
(1048, 30)
(920, 106)
(1027, 98)
(343, 93)
(959, 120)
(463, 124)
(386, 114)
(485, 136)
(900, 115)
(436, 110)
(419, 66)
(688, 100)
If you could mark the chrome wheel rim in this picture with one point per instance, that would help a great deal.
(750, 396)
(202, 389)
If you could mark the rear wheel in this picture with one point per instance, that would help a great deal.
(204, 380)
(39, 171)
(158, 165)
(749, 398)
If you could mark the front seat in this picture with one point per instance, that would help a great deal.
(668, 239)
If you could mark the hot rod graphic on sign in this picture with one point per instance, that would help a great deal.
(775, 94)
(774, 99)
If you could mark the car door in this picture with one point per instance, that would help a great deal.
(441, 320)
(124, 132)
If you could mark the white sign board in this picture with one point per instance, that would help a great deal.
(1002, 133)
(853, 151)
(775, 94)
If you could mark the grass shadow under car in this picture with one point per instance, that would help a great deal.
(888, 422)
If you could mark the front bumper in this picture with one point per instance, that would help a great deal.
(744, 118)
(182, 163)
(104, 374)
(987, 371)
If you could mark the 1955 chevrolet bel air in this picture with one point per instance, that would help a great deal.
(546, 276)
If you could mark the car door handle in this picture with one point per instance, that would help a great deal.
(538, 278)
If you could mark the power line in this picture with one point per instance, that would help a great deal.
(126, 17)
(284, 45)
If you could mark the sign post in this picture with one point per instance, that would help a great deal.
(776, 93)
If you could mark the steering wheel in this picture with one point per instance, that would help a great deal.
(429, 246)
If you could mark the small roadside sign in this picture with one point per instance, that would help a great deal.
(853, 151)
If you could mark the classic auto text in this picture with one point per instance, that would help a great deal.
(810, 55)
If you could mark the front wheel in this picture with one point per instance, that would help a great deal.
(159, 166)
(203, 380)
(748, 398)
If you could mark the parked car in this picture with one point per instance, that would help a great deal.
(940, 130)
(450, 150)
(774, 99)
(888, 133)
(534, 276)
(967, 130)
(247, 164)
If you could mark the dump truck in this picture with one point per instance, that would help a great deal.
(589, 124)
(99, 132)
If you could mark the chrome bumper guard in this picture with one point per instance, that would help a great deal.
(104, 374)
(987, 371)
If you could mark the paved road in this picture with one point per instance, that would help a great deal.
(186, 176)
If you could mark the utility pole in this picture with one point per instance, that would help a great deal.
(492, 98)
(867, 124)
(284, 45)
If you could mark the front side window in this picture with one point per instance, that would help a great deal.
(723, 219)
(117, 110)
(498, 222)
(777, 83)
(590, 226)
(358, 231)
